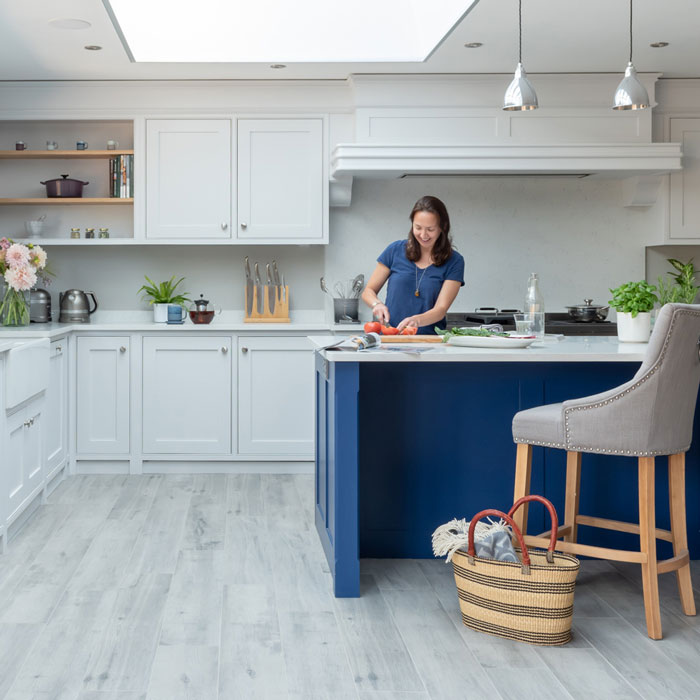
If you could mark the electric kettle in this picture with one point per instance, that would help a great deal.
(74, 306)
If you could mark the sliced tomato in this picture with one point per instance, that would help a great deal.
(373, 327)
(409, 330)
(389, 330)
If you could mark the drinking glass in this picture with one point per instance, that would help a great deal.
(524, 323)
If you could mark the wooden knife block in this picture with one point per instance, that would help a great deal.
(281, 312)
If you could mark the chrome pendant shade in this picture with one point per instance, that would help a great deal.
(630, 93)
(520, 95)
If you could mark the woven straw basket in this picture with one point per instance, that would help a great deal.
(531, 602)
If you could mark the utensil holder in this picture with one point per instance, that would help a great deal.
(346, 310)
(280, 295)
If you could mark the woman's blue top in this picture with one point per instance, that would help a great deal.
(405, 276)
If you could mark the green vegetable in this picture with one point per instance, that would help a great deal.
(633, 298)
(164, 293)
(446, 335)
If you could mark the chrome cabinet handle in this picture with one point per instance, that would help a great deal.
(224, 349)
(244, 349)
(26, 423)
(31, 421)
(224, 225)
(122, 349)
(244, 226)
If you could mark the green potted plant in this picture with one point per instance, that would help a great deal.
(634, 302)
(163, 294)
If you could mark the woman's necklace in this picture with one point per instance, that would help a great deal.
(418, 281)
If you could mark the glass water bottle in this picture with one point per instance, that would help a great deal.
(534, 304)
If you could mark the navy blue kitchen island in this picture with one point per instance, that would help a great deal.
(406, 441)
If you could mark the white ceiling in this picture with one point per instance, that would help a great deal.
(559, 36)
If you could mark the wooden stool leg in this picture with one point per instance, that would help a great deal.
(523, 466)
(676, 493)
(647, 537)
(573, 483)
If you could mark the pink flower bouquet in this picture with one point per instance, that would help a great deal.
(20, 265)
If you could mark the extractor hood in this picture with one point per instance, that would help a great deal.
(600, 160)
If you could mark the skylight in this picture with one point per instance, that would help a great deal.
(284, 31)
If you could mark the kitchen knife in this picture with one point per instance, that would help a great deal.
(258, 289)
(271, 291)
(277, 282)
(248, 289)
(283, 291)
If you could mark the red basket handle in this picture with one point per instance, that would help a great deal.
(552, 514)
(491, 511)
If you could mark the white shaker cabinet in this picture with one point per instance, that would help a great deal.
(24, 457)
(102, 395)
(282, 191)
(188, 178)
(275, 397)
(684, 203)
(187, 395)
(57, 409)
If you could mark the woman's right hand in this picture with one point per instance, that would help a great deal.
(381, 313)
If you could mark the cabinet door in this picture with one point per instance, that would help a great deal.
(188, 178)
(684, 202)
(275, 396)
(13, 463)
(34, 448)
(103, 395)
(57, 407)
(187, 395)
(280, 180)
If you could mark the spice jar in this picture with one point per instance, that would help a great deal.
(89, 233)
(104, 233)
(75, 233)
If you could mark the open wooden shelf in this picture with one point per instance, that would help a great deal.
(67, 200)
(19, 155)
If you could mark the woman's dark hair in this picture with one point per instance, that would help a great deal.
(443, 246)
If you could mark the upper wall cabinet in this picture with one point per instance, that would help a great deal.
(282, 188)
(188, 178)
(684, 203)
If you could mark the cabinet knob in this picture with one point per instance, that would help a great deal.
(224, 349)
(31, 421)
(26, 423)
(59, 349)
(244, 226)
(122, 349)
(224, 225)
(244, 349)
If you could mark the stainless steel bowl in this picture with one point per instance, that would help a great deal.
(588, 312)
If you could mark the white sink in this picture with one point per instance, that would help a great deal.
(26, 371)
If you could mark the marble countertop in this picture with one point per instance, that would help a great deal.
(303, 322)
(570, 349)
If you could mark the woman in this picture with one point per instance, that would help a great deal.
(424, 272)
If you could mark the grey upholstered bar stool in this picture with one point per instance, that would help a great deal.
(650, 415)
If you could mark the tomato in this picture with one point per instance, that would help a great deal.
(373, 327)
(389, 330)
(409, 330)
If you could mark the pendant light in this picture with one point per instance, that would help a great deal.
(520, 94)
(630, 93)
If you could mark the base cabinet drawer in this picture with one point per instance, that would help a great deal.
(275, 397)
(187, 395)
(102, 395)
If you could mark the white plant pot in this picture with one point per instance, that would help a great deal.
(633, 330)
(160, 313)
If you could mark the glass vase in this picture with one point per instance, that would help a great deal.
(14, 307)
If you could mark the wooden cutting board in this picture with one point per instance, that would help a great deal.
(411, 338)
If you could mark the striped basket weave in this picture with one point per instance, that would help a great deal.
(531, 602)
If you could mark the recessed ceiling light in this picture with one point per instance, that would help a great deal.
(473, 45)
(93, 47)
(68, 23)
(659, 44)
(278, 65)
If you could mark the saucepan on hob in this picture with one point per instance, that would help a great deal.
(588, 312)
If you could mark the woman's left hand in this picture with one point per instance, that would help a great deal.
(408, 321)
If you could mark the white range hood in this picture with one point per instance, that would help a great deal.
(389, 161)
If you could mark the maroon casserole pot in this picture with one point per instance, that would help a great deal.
(64, 187)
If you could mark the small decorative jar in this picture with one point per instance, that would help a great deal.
(104, 233)
(75, 233)
(89, 233)
(20, 146)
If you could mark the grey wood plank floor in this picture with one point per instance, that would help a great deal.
(213, 587)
